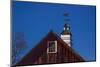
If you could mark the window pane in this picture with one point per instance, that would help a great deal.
(52, 47)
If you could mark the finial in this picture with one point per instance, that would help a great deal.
(66, 26)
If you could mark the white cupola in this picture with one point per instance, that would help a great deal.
(66, 35)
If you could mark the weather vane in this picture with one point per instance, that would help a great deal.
(66, 15)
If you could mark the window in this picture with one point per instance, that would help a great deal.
(52, 47)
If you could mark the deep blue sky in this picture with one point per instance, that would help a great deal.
(35, 20)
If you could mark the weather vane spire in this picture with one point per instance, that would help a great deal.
(66, 15)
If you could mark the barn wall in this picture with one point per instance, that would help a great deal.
(63, 55)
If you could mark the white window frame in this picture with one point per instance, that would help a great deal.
(55, 47)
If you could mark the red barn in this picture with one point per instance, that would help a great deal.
(52, 49)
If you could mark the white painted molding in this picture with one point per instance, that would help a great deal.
(55, 47)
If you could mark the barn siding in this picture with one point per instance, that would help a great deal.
(63, 55)
(39, 55)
